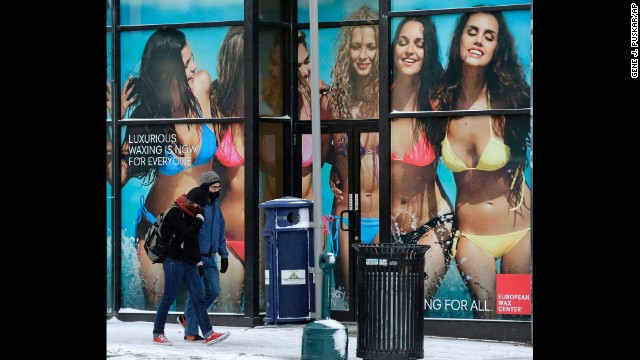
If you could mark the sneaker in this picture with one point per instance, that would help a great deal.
(216, 337)
(160, 339)
(182, 321)
(196, 337)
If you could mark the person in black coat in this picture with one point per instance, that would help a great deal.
(183, 264)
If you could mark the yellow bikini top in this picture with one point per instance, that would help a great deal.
(495, 155)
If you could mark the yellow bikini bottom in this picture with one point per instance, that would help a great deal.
(496, 245)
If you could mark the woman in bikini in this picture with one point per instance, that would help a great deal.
(354, 95)
(271, 138)
(165, 88)
(487, 154)
(304, 114)
(227, 100)
(421, 213)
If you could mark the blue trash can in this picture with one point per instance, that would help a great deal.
(288, 255)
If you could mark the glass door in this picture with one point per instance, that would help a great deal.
(350, 200)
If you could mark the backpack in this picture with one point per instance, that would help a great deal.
(155, 245)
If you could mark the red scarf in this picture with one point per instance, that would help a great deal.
(181, 203)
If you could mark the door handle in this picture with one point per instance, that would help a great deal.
(342, 222)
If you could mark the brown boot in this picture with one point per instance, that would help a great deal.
(196, 337)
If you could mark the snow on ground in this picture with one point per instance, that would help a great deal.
(133, 341)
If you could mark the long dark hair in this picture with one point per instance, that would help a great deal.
(505, 75)
(507, 88)
(430, 74)
(431, 70)
(162, 74)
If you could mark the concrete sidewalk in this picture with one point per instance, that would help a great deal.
(133, 341)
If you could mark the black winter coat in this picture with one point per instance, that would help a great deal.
(183, 244)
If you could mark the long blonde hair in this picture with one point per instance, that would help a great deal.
(342, 74)
(271, 86)
(227, 93)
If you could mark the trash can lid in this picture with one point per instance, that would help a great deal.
(391, 250)
(287, 201)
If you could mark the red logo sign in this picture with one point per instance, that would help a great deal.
(513, 294)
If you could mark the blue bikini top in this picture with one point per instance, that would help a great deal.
(208, 148)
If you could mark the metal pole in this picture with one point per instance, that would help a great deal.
(315, 137)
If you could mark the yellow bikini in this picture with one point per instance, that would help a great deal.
(494, 156)
(496, 245)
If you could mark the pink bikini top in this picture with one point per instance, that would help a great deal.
(227, 153)
(421, 154)
(307, 150)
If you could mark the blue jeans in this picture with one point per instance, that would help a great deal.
(175, 272)
(211, 282)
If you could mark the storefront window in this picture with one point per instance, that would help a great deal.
(334, 10)
(147, 12)
(406, 5)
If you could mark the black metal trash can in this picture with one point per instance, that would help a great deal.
(390, 280)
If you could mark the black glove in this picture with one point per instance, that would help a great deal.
(200, 217)
(201, 269)
(224, 265)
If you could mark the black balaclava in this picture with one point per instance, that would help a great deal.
(212, 195)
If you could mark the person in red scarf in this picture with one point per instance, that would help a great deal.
(182, 264)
